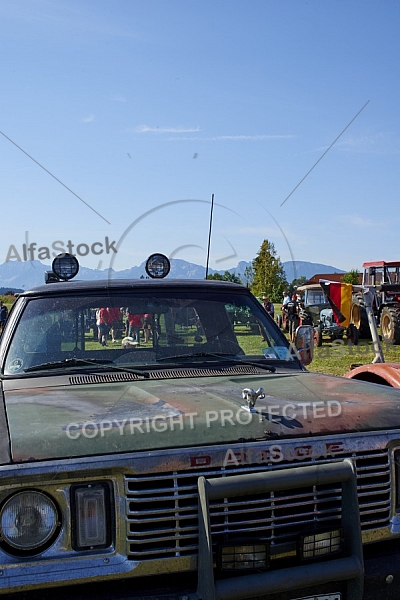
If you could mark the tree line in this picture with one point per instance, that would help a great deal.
(266, 276)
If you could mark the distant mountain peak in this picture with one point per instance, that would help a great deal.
(298, 268)
(25, 275)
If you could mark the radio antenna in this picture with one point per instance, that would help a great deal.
(209, 234)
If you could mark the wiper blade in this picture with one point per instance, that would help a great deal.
(66, 362)
(265, 366)
(76, 362)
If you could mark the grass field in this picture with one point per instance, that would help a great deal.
(336, 358)
(8, 300)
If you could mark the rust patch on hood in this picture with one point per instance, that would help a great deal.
(82, 420)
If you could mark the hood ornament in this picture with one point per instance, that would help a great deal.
(251, 397)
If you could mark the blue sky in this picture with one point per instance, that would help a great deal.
(145, 108)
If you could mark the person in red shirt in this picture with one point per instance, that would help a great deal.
(115, 322)
(135, 322)
(103, 325)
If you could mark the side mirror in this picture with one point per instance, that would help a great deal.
(304, 342)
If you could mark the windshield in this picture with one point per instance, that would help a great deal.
(312, 297)
(132, 330)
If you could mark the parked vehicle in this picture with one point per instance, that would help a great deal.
(316, 311)
(382, 373)
(202, 462)
(378, 371)
(384, 277)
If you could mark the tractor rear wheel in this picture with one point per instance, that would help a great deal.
(359, 316)
(352, 334)
(390, 325)
(318, 336)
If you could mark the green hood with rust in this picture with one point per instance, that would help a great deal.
(48, 417)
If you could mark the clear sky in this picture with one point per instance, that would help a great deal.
(144, 109)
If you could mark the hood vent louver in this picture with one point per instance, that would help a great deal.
(164, 374)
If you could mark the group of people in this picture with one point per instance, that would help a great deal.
(110, 321)
(290, 304)
(135, 323)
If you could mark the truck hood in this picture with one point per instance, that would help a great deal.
(50, 417)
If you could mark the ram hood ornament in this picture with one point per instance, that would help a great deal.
(251, 397)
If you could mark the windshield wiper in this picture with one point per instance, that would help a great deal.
(66, 362)
(76, 362)
(265, 366)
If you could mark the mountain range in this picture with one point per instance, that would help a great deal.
(19, 275)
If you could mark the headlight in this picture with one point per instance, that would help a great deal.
(28, 521)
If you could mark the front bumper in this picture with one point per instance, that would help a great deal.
(381, 581)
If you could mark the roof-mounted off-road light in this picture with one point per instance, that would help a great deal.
(65, 266)
(157, 266)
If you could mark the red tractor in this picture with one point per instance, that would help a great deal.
(384, 277)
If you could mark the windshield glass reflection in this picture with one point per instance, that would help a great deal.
(142, 330)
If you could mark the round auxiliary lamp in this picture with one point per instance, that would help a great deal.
(65, 266)
(157, 266)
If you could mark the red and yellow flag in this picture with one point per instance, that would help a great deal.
(339, 297)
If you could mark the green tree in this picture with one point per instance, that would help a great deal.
(269, 275)
(248, 276)
(298, 282)
(351, 277)
(227, 276)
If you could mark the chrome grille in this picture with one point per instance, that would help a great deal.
(162, 508)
